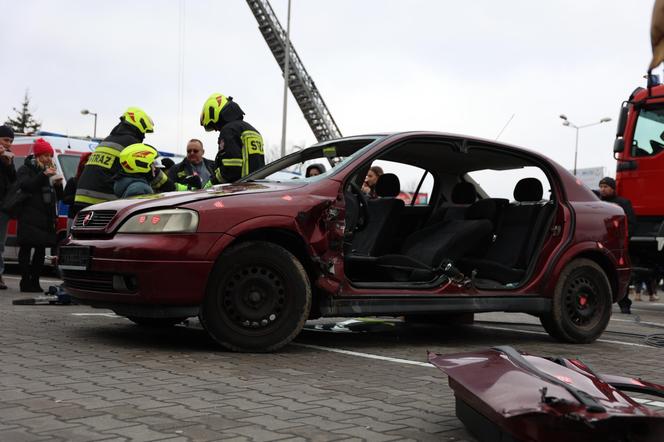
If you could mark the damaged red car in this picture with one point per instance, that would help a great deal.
(453, 225)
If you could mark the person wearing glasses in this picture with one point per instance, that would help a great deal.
(194, 171)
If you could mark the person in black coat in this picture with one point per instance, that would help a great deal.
(7, 177)
(607, 192)
(37, 217)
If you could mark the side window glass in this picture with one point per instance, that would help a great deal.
(648, 139)
(501, 183)
(410, 178)
(68, 165)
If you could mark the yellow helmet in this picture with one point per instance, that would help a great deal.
(212, 110)
(137, 117)
(137, 158)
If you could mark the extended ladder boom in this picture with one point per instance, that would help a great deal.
(299, 82)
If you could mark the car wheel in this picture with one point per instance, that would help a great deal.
(581, 305)
(155, 322)
(258, 298)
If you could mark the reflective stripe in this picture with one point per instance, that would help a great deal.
(88, 200)
(108, 150)
(102, 159)
(207, 185)
(112, 145)
(233, 162)
(103, 196)
(217, 175)
(253, 141)
(182, 173)
(159, 180)
(245, 161)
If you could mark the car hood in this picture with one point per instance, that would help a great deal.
(173, 199)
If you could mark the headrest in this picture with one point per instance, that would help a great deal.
(388, 185)
(482, 209)
(463, 193)
(528, 189)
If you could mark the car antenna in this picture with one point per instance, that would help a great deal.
(504, 127)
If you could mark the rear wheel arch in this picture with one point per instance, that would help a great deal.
(581, 303)
(607, 266)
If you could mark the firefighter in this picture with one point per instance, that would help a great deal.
(240, 145)
(137, 171)
(96, 182)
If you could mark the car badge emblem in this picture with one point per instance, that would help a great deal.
(87, 218)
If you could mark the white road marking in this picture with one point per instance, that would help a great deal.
(108, 315)
(609, 341)
(638, 322)
(364, 355)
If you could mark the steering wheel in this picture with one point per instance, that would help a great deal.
(363, 203)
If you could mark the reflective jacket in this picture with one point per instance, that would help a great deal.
(240, 147)
(95, 184)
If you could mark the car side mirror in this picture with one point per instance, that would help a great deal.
(622, 120)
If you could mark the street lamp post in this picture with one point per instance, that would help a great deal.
(568, 123)
(87, 112)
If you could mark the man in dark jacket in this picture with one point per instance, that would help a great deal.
(7, 177)
(194, 170)
(95, 184)
(607, 192)
(240, 145)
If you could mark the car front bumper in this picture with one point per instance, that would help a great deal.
(153, 270)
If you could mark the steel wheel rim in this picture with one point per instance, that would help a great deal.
(582, 305)
(253, 299)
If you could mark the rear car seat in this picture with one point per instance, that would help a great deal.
(424, 251)
(518, 232)
(463, 195)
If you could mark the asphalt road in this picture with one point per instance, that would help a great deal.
(73, 373)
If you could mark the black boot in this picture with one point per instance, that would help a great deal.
(26, 285)
(36, 288)
(625, 305)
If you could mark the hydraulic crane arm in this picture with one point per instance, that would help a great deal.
(301, 85)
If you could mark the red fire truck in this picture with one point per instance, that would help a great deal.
(638, 149)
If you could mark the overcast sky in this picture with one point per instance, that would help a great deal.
(380, 65)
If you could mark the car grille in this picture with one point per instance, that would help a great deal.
(98, 281)
(93, 219)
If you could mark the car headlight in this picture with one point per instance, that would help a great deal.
(162, 221)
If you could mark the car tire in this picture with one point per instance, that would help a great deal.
(581, 304)
(258, 298)
(155, 322)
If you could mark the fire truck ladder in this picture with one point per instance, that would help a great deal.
(301, 85)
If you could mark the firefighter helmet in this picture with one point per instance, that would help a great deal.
(138, 118)
(212, 110)
(138, 158)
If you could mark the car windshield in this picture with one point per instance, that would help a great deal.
(319, 161)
